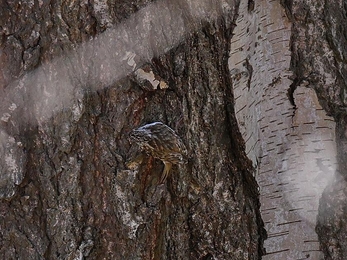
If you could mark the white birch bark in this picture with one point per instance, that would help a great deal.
(288, 135)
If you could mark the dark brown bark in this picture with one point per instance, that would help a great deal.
(75, 197)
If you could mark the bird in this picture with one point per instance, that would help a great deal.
(161, 142)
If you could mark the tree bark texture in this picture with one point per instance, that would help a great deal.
(72, 185)
(255, 89)
(288, 135)
(319, 55)
(288, 65)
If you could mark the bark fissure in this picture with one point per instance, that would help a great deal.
(88, 164)
(77, 77)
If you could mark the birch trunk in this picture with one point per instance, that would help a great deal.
(288, 61)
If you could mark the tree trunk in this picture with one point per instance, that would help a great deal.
(254, 89)
(289, 51)
(76, 188)
(288, 61)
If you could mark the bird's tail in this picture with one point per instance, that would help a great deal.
(166, 171)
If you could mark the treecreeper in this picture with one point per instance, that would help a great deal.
(161, 142)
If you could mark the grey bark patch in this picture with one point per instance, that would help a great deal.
(12, 164)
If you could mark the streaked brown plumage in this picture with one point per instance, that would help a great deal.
(160, 141)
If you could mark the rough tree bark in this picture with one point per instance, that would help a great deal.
(255, 89)
(72, 185)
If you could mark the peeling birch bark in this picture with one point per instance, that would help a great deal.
(289, 138)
